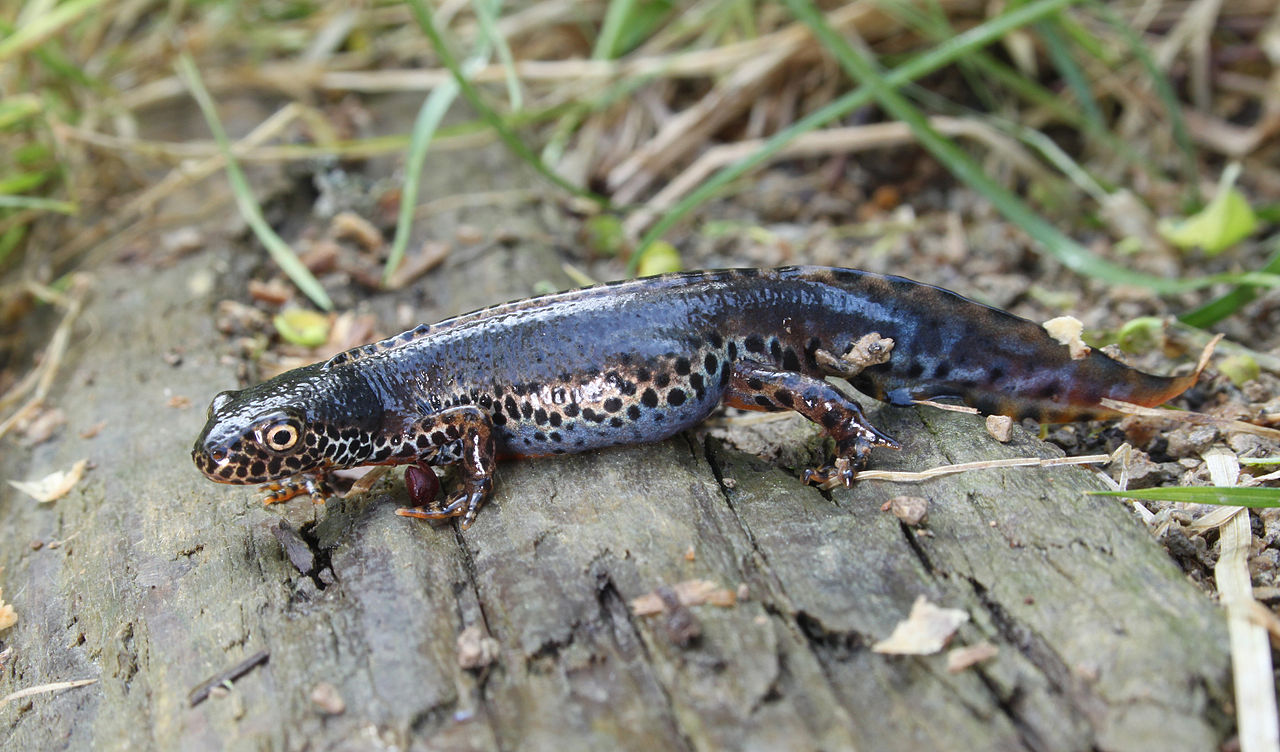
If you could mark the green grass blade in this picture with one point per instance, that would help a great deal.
(34, 31)
(609, 40)
(1218, 309)
(1068, 252)
(941, 55)
(426, 21)
(425, 126)
(1164, 90)
(1060, 55)
(280, 251)
(1255, 497)
(38, 203)
(487, 18)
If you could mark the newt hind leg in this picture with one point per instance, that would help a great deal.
(463, 435)
(756, 386)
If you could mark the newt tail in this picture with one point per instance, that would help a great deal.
(638, 361)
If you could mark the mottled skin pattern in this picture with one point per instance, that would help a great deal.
(638, 361)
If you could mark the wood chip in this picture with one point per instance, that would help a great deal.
(325, 696)
(53, 486)
(42, 426)
(276, 292)
(1000, 427)
(432, 254)
(689, 593)
(959, 659)
(925, 631)
(1067, 330)
(912, 510)
(8, 617)
(352, 226)
(475, 648)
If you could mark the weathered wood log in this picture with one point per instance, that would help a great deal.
(163, 580)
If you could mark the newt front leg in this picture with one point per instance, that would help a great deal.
(470, 434)
(756, 386)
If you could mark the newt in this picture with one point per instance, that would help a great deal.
(641, 360)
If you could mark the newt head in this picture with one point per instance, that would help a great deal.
(245, 441)
(275, 430)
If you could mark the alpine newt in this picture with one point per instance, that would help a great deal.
(638, 361)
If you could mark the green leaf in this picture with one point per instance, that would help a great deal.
(1227, 220)
(300, 326)
(1255, 497)
(280, 251)
(1239, 368)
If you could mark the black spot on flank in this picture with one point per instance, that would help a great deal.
(715, 340)
(725, 373)
(649, 398)
(554, 419)
(571, 409)
(351, 434)
(512, 408)
(915, 370)
(592, 415)
(227, 471)
(555, 436)
(616, 422)
(499, 419)
(783, 397)
(613, 404)
(733, 350)
(942, 370)
(676, 397)
(633, 412)
(831, 419)
(643, 375)
(258, 467)
(422, 441)
(628, 388)
(452, 432)
(755, 344)
(698, 385)
(540, 416)
(755, 383)
(539, 435)
(464, 399)
(996, 373)
(663, 380)
(518, 389)
(763, 401)
(526, 410)
(533, 386)
(683, 366)
(710, 364)
(497, 391)
(485, 401)
(790, 361)
(775, 349)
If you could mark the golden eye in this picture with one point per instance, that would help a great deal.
(278, 436)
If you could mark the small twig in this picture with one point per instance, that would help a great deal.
(1193, 418)
(201, 693)
(895, 476)
(41, 377)
(43, 689)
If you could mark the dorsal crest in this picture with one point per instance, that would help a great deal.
(364, 351)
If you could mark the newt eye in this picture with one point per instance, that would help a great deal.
(278, 437)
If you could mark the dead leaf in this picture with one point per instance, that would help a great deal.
(924, 632)
(53, 486)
